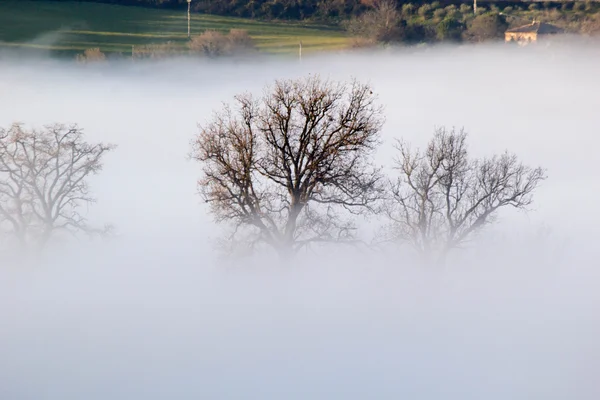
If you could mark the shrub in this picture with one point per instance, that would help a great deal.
(408, 9)
(382, 24)
(239, 39)
(452, 12)
(416, 32)
(465, 9)
(591, 26)
(212, 43)
(486, 27)
(578, 6)
(555, 14)
(450, 8)
(425, 11)
(590, 6)
(439, 13)
(449, 29)
(533, 7)
(91, 55)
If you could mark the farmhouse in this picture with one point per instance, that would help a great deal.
(531, 32)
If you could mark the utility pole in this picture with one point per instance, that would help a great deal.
(188, 15)
(474, 6)
(300, 51)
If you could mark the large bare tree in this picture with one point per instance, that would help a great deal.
(43, 181)
(283, 168)
(443, 196)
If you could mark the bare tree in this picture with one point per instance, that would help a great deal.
(43, 181)
(443, 196)
(381, 24)
(91, 55)
(284, 167)
(215, 44)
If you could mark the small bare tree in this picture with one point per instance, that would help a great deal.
(380, 24)
(43, 181)
(443, 196)
(215, 44)
(283, 167)
(91, 55)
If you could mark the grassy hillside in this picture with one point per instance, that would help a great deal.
(70, 27)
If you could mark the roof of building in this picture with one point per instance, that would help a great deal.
(540, 28)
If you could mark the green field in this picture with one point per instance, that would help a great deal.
(66, 28)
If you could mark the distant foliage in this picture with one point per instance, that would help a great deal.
(386, 23)
(408, 9)
(91, 55)
(210, 43)
(341, 10)
(381, 24)
(483, 27)
(591, 25)
(369, 22)
(449, 29)
(425, 11)
(362, 43)
(378, 21)
(282, 9)
(156, 51)
(214, 44)
(466, 9)
(439, 13)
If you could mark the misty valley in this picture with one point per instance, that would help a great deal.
(411, 222)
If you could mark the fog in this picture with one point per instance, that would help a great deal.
(152, 314)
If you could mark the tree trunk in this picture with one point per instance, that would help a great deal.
(286, 254)
(432, 259)
(286, 247)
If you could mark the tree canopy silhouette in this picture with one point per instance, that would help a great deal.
(443, 196)
(282, 168)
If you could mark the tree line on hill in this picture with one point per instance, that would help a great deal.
(284, 171)
(387, 22)
(372, 22)
(264, 9)
(569, 13)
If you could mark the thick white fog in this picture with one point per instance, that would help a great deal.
(152, 315)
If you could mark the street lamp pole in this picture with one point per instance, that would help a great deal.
(188, 17)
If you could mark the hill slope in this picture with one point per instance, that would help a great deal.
(70, 27)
